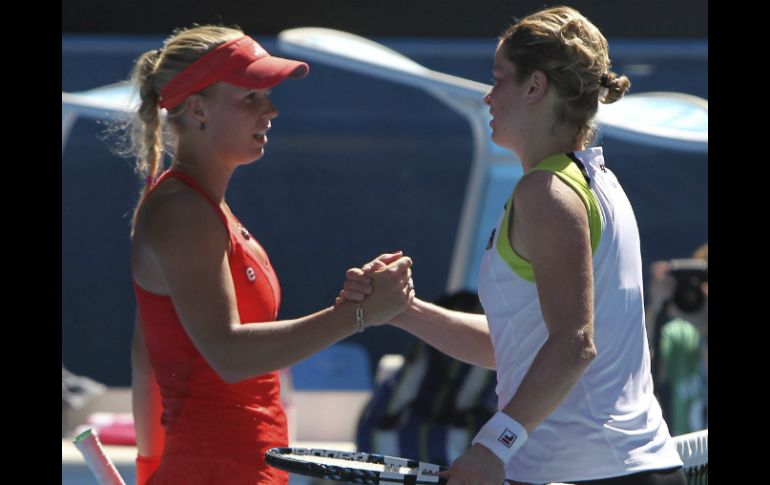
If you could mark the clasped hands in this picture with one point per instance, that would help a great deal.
(383, 287)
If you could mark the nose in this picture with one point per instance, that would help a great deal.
(271, 112)
(487, 99)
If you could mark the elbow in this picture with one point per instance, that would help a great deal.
(579, 350)
(588, 353)
(225, 357)
(227, 368)
(234, 363)
(225, 365)
(228, 371)
(235, 357)
(230, 377)
(234, 373)
(585, 349)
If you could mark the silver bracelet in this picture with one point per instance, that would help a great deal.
(360, 317)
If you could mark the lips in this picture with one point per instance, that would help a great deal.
(261, 135)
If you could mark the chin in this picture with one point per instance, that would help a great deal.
(500, 142)
(254, 158)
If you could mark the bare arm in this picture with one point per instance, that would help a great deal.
(551, 229)
(146, 405)
(185, 240)
(464, 336)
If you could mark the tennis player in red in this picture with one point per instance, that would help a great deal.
(206, 346)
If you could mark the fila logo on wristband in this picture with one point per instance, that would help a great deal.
(507, 438)
(504, 444)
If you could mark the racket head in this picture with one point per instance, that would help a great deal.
(353, 467)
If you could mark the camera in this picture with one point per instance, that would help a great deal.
(689, 274)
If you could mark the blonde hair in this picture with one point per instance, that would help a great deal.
(146, 137)
(573, 54)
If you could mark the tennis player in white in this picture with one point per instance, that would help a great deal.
(560, 282)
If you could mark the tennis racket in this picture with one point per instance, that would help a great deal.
(345, 466)
(97, 460)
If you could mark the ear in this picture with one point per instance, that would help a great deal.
(196, 108)
(537, 86)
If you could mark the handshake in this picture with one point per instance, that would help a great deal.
(382, 288)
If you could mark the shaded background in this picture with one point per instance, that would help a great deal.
(425, 18)
(355, 165)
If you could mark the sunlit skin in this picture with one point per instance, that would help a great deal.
(523, 114)
(237, 121)
(507, 104)
(222, 128)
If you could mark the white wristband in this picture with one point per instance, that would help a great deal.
(503, 435)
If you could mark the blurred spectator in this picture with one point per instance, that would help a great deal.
(76, 392)
(677, 322)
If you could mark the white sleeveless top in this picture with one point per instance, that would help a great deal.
(610, 424)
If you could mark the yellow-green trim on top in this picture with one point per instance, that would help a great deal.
(570, 171)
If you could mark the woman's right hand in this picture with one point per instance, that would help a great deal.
(358, 283)
(391, 292)
(383, 287)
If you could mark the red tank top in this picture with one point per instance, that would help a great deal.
(202, 414)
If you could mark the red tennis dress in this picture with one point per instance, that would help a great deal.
(216, 433)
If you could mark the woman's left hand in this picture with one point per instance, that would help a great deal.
(358, 284)
(477, 466)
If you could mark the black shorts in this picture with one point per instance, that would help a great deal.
(670, 476)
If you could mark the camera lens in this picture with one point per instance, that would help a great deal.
(688, 295)
(689, 274)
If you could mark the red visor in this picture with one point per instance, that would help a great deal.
(241, 61)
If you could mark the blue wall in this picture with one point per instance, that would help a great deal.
(355, 167)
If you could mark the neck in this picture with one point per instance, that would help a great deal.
(543, 137)
(537, 151)
(213, 179)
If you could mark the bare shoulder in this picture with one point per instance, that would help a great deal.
(542, 197)
(172, 216)
(551, 222)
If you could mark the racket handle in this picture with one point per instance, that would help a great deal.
(100, 464)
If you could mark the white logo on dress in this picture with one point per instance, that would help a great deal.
(250, 274)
